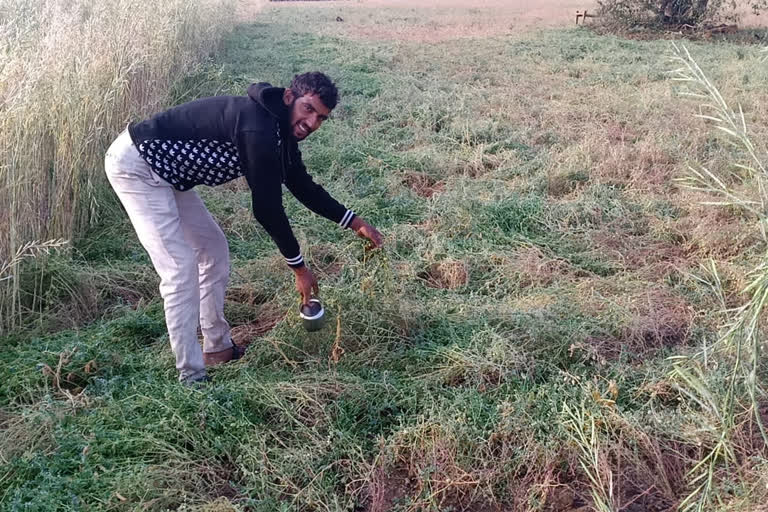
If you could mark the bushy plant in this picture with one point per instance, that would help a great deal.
(662, 13)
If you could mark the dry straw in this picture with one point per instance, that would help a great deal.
(73, 73)
(738, 347)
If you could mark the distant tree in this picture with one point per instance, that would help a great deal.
(675, 12)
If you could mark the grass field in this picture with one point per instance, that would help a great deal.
(512, 348)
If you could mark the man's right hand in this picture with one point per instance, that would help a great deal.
(306, 284)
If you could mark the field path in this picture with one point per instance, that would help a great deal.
(522, 13)
(450, 19)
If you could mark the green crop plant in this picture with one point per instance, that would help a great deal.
(538, 259)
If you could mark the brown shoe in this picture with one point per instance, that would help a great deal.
(223, 356)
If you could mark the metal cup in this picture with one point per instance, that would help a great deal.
(312, 315)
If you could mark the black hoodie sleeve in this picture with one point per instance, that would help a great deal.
(260, 160)
(314, 196)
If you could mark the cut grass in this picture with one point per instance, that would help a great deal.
(533, 296)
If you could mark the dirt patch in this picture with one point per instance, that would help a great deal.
(422, 184)
(655, 319)
(647, 473)
(563, 498)
(654, 259)
(218, 480)
(533, 268)
(177, 481)
(325, 260)
(248, 295)
(426, 21)
(392, 486)
(658, 319)
(269, 315)
(422, 468)
(715, 232)
(447, 274)
(387, 488)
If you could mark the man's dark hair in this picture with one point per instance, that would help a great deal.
(316, 83)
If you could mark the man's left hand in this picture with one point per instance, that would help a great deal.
(365, 230)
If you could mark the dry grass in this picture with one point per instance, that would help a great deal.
(267, 317)
(429, 455)
(326, 260)
(423, 21)
(422, 184)
(448, 275)
(534, 269)
(539, 255)
(73, 75)
(647, 255)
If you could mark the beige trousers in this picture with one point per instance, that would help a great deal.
(187, 248)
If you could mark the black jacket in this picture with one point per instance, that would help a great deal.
(214, 140)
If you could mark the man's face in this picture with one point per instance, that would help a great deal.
(307, 113)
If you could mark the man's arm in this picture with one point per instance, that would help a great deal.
(314, 196)
(317, 199)
(365, 230)
(263, 173)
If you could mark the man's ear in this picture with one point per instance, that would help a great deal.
(288, 97)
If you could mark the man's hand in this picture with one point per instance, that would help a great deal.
(365, 230)
(306, 284)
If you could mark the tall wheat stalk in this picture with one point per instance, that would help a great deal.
(739, 343)
(73, 73)
(9, 287)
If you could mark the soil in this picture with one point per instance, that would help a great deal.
(269, 316)
(423, 185)
(453, 19)
(456, 19)
(521, 13)
(445, 275)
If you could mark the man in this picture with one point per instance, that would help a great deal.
(154, 165)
